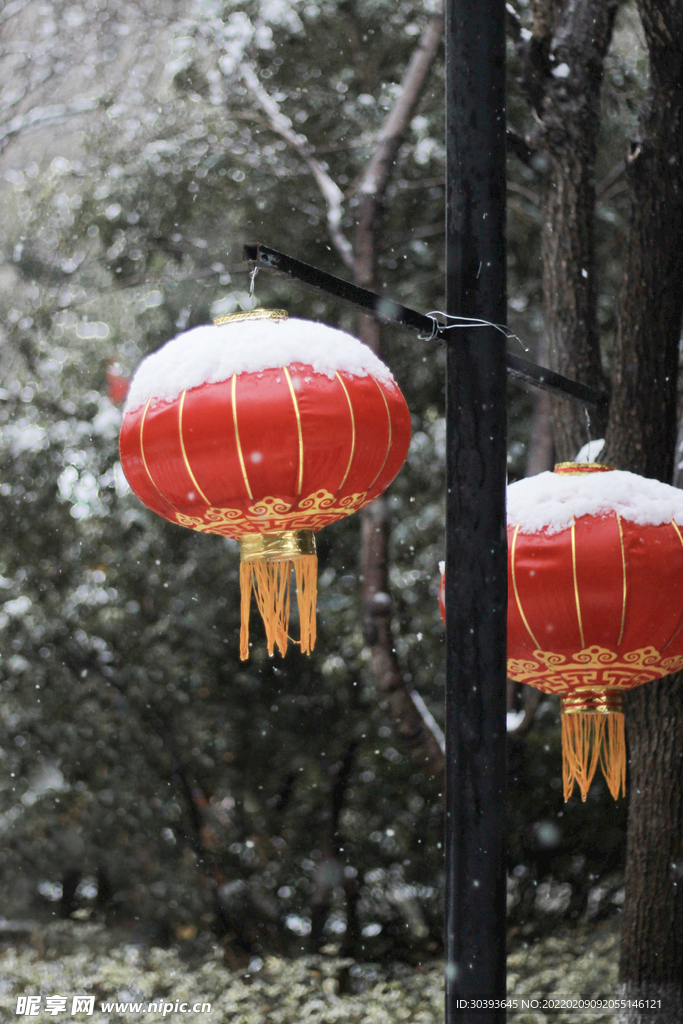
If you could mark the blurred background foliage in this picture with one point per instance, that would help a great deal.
(146, 775)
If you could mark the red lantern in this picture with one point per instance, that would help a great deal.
(117, 383)
(265, 429)
(595, 601)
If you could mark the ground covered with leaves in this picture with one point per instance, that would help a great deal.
(65, 960)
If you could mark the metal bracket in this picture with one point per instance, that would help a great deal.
(520, 370)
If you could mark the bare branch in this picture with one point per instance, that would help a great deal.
(330, 191)
(513, 25)
(412, 719)
(533, 197)
(376, 175)
(41, 117)
(429, 720)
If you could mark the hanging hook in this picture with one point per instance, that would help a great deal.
(252, 281)
(436, 327)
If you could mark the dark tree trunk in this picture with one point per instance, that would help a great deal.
(540, 452)
(651, 964)
(392, 684)
(678, 458)
(642, 425)
(563, 75)
(642, 437)
(377, 613)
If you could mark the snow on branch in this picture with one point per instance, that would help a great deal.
(40, 117)
(331, 192)
(429, 720)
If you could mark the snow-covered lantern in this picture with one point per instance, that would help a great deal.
(264, 428)
(595, 602)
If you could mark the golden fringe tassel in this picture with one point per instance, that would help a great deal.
(269, 578)
(589, 737)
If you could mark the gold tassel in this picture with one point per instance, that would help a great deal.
(592, 733)
(306, 575)
(266, 567)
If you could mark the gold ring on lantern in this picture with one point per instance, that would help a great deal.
(574, 468)
(604, 703)
(251, 314)
(283, 545)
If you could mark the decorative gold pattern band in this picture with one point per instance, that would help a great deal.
(594, 668)
(251, 314)
(286, 545)
(583, 699)
(274, 515)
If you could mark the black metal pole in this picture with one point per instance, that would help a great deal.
(476, 550)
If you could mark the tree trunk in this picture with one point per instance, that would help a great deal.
(540, 452)
(651, 965)
(392, 683)
(678, 459)
(563, 75)
(642, 437)
(642, 424)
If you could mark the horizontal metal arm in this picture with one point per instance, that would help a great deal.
(519, 369)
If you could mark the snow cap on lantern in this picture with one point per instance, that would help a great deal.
(264, 428)
(595, 607)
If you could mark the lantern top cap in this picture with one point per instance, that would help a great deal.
(249, 344)
(573, 468)
(550, 502)
(251, 314)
